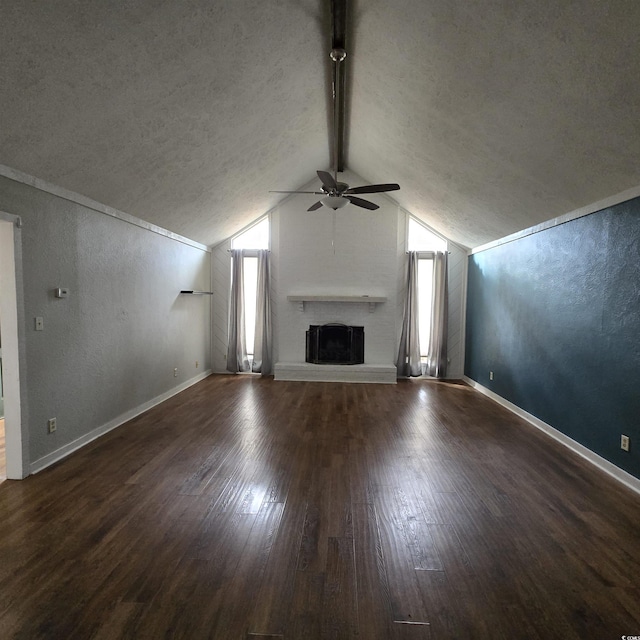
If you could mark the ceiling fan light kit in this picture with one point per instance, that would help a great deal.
(334, 202)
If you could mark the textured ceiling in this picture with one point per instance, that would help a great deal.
(492, 115)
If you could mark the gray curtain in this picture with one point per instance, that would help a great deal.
(408, 362)
(237, 359)
(262, 362)
(437, 359)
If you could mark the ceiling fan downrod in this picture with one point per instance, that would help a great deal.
(337, 56)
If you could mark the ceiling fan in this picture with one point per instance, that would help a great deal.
(339, 194)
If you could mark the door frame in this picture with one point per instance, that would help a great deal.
(12, 324)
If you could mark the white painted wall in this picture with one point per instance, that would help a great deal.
(113, 344)
(355, 256)
(363, 254)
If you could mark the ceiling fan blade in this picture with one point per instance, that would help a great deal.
(327, 180)
(315, 206)
(316, 193)
(374, 188)
(359, 202)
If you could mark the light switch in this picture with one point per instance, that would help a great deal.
(39, 323)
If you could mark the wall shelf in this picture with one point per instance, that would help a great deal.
(198, 293)
(370, 300)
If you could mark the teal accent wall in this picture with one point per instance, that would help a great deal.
(556, 316)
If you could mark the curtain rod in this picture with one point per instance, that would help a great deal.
(269, 251)
(408, 252)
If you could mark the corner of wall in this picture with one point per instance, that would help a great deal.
(220, 277)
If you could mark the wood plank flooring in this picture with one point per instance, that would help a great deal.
(245, 508)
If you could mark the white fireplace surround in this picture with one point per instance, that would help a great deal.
(309, 372)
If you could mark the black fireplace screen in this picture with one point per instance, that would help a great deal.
(335, 344)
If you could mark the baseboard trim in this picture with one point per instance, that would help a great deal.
(619, 474)
(67, 449)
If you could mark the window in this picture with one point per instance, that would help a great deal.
(420, 238)
(255, 237)
(251, 240)
(425, 241)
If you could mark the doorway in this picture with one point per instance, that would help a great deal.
(12, 459)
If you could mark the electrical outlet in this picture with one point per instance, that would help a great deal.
(624, 442)
(490, 375)
(175, 372)
(197, 364)
(51, 425)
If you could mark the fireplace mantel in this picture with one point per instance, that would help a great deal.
(370, 300)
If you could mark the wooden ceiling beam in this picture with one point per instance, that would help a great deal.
(339, 41)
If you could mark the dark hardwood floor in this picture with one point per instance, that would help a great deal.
(248, 508)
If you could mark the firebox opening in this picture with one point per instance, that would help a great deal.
(335, 344)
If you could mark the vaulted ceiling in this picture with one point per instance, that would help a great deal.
(492, 115)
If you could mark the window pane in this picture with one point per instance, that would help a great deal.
(425, 285)
(256, 237)
(421, 239)
(250, 290)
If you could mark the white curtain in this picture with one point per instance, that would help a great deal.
(408, 362)
(237, 359)
(437, 358)
(262, 359)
